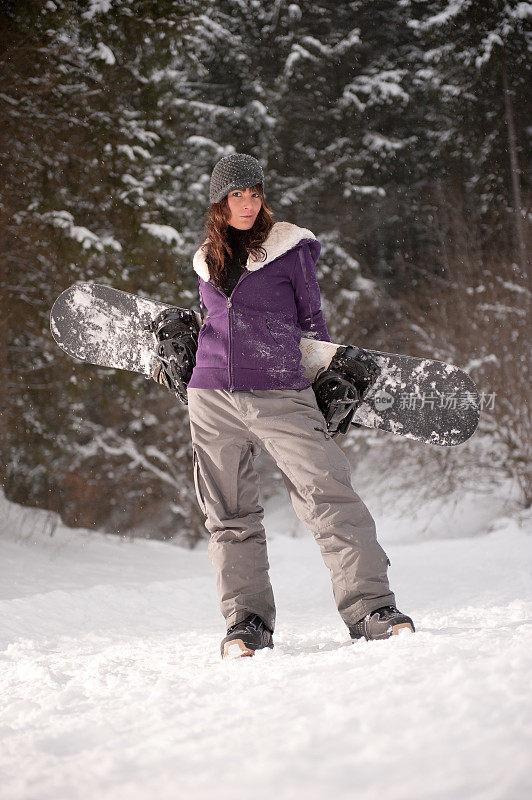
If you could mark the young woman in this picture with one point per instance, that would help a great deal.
(258, 294)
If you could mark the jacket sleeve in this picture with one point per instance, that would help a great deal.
(201, 303)
(307, 295)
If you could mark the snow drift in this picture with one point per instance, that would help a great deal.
(112, 686)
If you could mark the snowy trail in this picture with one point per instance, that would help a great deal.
(111, 685)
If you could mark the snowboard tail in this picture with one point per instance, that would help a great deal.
(107, 327)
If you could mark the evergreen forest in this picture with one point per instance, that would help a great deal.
(396, 130)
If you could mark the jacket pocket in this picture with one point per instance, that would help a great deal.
(286, 338)
(281, 332)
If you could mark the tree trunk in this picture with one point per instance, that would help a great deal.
(4, 319)
(514, 170)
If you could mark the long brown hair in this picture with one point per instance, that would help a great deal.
(217, 249)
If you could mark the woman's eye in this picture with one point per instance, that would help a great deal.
(239, 194)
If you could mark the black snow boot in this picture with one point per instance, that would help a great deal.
(245, 637)
(381, 624)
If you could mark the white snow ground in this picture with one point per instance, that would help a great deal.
(112, 686)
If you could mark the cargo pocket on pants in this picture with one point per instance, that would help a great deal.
(334, 456)
(197, 486)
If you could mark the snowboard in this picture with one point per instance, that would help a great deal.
(418, 398)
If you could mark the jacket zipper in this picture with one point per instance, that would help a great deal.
(229, 306)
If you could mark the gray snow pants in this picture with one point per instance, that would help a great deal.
(228, 431)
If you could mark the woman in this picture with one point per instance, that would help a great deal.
(258, 294)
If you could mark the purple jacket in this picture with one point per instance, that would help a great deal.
(250, 340)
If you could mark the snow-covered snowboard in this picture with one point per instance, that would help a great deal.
(418, 398)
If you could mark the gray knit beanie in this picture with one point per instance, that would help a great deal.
(237, 171)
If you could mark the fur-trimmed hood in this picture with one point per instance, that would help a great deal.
(284, 236)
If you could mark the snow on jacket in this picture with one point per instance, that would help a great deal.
(250, 340)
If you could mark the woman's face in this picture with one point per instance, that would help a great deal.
(244, 205)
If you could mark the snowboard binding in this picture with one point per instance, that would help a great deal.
(176, 330)
(341, 387)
